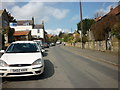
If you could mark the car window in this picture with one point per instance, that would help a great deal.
(22, 48)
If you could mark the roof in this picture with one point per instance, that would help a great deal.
(115, 11)
(49, 35)
(21, 33)
(24, 22)
(97, 19)
(39, 26)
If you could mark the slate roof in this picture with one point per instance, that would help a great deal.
(23, 22)
(39, 26)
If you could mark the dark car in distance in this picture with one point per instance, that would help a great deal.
(45, 45)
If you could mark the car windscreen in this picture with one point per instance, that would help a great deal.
(22, 48)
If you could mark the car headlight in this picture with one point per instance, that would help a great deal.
(37, 62)
(3, 64)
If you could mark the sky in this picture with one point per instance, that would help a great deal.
(57, 16)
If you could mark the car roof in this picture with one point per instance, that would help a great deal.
(24, 42)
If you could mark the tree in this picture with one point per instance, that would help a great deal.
(102, 28)
(116, 30)
(60, 34)
(53, 39)
(76, 37)
(86, 25)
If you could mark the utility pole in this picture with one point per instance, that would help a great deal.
(71, 30)
(81, 25)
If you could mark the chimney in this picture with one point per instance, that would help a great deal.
(111, 8)
(32, 22)
(33, 19)
(43, 22)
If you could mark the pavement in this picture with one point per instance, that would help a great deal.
(69, 67)
(107, 57)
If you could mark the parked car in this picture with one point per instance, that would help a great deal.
(22, 58)
(58, 42)
(39, 45)
(52, 44)
(46, 45)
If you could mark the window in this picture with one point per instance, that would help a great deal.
(38, 31)
(22, 48)
(26, 23)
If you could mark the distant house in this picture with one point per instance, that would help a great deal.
(49, 35)
(38, 32)
(22, 35)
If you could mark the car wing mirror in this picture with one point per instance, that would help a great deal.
(2, 51)
(43, 50)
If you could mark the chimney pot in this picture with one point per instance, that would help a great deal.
(42, 21)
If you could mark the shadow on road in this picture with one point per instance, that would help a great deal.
(46, 50)
(48, 72)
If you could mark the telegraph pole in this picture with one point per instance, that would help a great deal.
(81, 25)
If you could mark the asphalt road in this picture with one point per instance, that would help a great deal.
(65, 68)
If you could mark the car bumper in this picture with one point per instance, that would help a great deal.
(21, 71)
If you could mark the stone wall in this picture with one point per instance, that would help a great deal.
(98, 45)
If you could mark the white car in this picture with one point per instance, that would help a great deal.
(39, 44)
(22, 58)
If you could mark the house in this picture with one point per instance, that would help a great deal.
(22, 35)
(38, 32)
(113, 11)
(102, 29)
(105, 23)
(98, 18)
(4, 20)
(49, 35)
(6, 31)
(22, 25)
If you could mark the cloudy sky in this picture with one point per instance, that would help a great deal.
(58, 16)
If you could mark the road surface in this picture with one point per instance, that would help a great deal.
(65, 67)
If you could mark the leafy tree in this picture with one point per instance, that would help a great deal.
(53, 39)
(116, 30)
(70, 39)
(60, 34)
(77, 37)
(86, 25)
